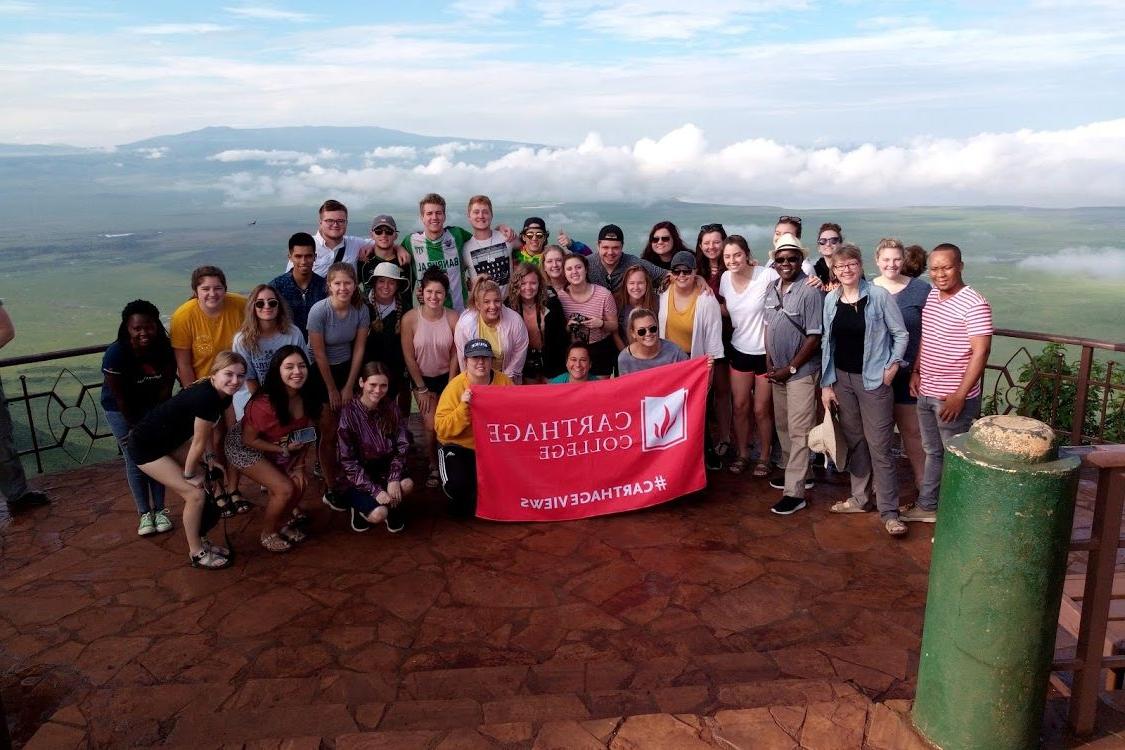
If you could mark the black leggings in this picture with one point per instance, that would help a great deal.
(458, 468)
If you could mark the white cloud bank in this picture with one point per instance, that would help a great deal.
(275, 157)
(1080, 166)
(1104, 261)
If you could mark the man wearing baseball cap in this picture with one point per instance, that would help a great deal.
(609, 264)
(384, 235)
(457, 458)
(534, 237)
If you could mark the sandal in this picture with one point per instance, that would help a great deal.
(300, 518)
(274, 543)
(738, 465)
(762, 469)
(241, 504)
(225, 505)
(210, 546)
(434, 479)
(209, 559)
(292, 534)
(851, 505)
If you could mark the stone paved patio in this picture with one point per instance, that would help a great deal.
(707, 622)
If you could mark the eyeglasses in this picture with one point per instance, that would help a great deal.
(786, 260)
(382, 231)
(712, 228)
(681, 272)
(828, 241)
(642, 331)
(845, 267)
(789, 220)
(662, 238)
(263, 303)
(534, 235)
(334, 222)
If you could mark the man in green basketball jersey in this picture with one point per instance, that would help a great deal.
(441, 246)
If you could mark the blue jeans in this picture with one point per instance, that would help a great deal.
(935, 434)
(148, 494)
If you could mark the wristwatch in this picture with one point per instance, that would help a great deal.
(792, 370)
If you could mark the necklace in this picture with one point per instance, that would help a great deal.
(853, 304)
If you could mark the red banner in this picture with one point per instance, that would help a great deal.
(560, 452)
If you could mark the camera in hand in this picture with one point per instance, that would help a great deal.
(576, 328)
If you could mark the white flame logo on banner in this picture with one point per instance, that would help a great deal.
(665, 420)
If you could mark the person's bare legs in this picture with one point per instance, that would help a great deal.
(763, 416)
(742, 392)
(906, 419)
(282, 494)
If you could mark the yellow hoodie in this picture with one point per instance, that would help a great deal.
(451, 420)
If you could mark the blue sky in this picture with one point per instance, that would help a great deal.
(852, 102)
(803, 71)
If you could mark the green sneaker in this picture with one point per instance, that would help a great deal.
(163, 522)
(147, 525)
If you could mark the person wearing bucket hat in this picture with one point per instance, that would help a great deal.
(793, 319)
(384, 341)
(453, 423)
(864, 343)
(782, 235)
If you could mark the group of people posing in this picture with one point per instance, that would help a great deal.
(316, 371)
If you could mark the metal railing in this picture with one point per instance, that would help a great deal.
(1084, 402)
(58, 411)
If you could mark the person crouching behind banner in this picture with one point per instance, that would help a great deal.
(577, 365)
(272, 443)
(646, 349)
(457, 458)
(372, 444)
(176, 443)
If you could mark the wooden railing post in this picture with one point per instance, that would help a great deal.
(1078, 423)
(1105, 531)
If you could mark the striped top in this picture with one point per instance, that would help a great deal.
(599, 304)
(947, 327)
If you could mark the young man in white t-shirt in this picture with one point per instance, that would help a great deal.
(489, 251)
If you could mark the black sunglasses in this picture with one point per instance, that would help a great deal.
(270, 303)
(712, 228)
(642, 331)
(786, 260)
(681, 272)
(383, 230)
(789, 220)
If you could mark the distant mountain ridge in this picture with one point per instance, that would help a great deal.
(210, 140)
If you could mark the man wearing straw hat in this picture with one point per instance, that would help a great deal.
(793, 315)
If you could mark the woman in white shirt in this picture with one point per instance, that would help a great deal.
(743, 287)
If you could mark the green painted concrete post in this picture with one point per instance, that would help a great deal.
(996, 578)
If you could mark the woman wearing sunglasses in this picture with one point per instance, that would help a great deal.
(689, 318)
(664, 242)
(827, 240)
(266, 327)
(863, 346)
(646, 349)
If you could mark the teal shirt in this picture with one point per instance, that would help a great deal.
(565, 378)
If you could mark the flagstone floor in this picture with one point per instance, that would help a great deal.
(706, 622)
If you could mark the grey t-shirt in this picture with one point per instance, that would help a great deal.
(668, 354)
(339, 333)
(791, 316)
(911, 299)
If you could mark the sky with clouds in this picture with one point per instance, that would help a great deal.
(842, 101)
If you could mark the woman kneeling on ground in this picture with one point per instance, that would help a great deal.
(457, 457)
(177, 442)
(373, 443)
(272, 443)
